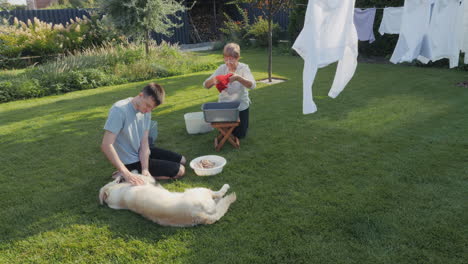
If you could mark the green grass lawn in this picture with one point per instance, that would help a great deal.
(377, 175)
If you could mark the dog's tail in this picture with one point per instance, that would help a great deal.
(221, 208)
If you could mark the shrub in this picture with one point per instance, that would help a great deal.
(28, 88)
(296, 19)
(236, 31)
(19, 89)
(141, 70)
(259, 30)
(6, 91)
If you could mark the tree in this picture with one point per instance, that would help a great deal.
(5, 6)
(269, 8)
(138, 18)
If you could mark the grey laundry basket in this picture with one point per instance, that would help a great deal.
(221, 112)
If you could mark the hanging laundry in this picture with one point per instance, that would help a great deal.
(463, 29)
(391, 20)
(442, 34)
(413, 38)
(364, 22)
(329, 35)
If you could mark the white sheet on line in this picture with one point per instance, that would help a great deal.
(391, 20)
(443, 34)
(329, 35)
(463, 29)
(413, 32)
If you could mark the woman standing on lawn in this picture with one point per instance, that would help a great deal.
(240, 79)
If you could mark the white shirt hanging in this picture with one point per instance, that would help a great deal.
(329, 35)
(443, 36)
(364, 23)
(391, 20)
(413, 32)
(463, 29)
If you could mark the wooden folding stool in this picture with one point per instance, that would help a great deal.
(225, 134)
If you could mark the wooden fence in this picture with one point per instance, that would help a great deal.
(181, 35)
(62, 16)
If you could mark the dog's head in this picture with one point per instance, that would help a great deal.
(120, 182)
(105, 190)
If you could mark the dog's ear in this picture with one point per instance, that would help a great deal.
(119, 179)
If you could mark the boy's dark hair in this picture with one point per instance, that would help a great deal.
(156, 91)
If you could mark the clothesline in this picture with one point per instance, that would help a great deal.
(355, 7)
(428, 31)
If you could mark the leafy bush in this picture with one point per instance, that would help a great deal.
(141, 70)
(28, 88)
(236, 31)
(19, 89)
(296, 19)
(6, 91)
(259, 30)
(241, 31)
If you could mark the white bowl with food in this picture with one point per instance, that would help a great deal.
(208, 165)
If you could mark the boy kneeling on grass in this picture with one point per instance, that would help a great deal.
(125, 142)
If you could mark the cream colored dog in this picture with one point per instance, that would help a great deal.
(192, 207)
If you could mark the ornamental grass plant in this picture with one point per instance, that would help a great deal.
(40, 41)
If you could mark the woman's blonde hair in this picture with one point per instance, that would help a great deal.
(232, 49)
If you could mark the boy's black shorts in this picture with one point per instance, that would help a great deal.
(161, 163)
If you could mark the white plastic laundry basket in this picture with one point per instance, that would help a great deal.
(195, 123)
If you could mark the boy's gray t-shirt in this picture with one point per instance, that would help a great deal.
(129, 125)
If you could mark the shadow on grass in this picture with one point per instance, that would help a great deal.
(101, 97)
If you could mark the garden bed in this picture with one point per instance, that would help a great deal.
(92, 68)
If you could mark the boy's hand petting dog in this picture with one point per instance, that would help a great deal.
(134, 179)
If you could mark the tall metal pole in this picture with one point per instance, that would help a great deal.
(270, 41)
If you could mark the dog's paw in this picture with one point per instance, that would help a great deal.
(232, 197)
(226, 187)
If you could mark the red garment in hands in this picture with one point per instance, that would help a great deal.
(223, 81)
